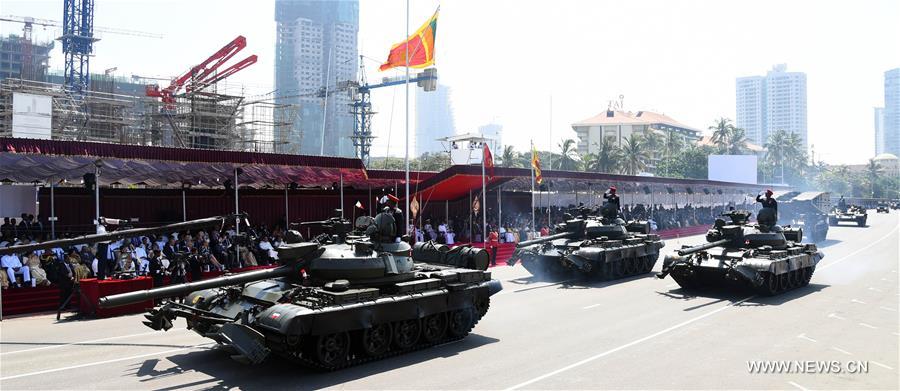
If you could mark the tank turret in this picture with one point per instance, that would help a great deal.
(761, 255)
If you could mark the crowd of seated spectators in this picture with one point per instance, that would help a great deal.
(168, 258)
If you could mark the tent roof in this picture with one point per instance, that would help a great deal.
(28, 160)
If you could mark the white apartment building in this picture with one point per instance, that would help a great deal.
(777, 101)
(892, 112)
(879, 130)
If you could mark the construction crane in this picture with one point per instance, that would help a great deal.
(361, 108)
(204, 74)
(77, 39)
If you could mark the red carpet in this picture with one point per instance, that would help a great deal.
(28, 300)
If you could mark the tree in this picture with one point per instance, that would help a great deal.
(736, 144)
(728, 138)
(432, 162)
(721, 130)
(509, 158)
(634, 155)
(873, 173)
(568, 158)
(606, 159)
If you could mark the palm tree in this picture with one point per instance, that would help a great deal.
(634, 155)
(606, 159)
(509, 157)
(777, 148)
(873, 172)
(655, 143)
(736, 144)
(568, 159)
(721, 130)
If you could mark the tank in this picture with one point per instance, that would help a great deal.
(882, 207)
(343, 298)
(807, 210)
(596, 244)
(852, 214)
(762, 256)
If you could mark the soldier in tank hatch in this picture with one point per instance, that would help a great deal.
(611, 210)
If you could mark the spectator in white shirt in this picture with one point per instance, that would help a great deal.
(14, 266)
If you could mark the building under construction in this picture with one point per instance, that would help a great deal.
(22, 58)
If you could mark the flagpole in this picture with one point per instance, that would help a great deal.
(532, 187)
(550, 223)
(483, 196)
(406, 87)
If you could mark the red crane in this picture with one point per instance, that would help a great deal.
(204, 74)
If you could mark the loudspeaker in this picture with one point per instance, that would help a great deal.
(90, 180)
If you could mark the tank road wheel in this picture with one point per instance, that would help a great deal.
(770, 285)
(434, 327)
(631, 266)
(375, 340)
(807, 275)
(784, 282)
(461, 322)
(647, 267)
(606, 271)
(406, 333)
(618, 269)
(331, 350)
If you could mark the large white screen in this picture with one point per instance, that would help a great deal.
(15, 200)
(32, 116)
(732, 168)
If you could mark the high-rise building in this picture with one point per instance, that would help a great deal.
(434, 119)
(23, 60)
(892, 112)
(879, 130)
(315, 50)
(776, 101)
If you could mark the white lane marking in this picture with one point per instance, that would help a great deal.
(874, 289)
(897, 334)
(627, 345)
(799, 387)
(857, 301)
(884, 279)
(836, 316)
(888, 309)
(841, 350)
(102, 362)
(591, 306)
(867, 325)
(846, 257)
(803, 336)
(76, 343)
(880, 364)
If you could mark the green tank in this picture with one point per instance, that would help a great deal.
(595, 244)
(341, 299)
(852, 213)
(762, 256)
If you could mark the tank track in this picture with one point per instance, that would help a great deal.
(358, 358)
(772, 284)
(626, 267)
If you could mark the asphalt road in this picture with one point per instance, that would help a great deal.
(638, 333)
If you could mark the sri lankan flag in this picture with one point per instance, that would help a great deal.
(536, 165)
(420, 46)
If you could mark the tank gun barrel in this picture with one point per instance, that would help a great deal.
(183, 289)
(545, 239)
(116, 235)
(705, 246)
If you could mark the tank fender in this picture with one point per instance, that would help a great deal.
(749, 274)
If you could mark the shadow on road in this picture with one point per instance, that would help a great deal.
(278, 373)
(151, 345)
(732, 294)
(572, 282)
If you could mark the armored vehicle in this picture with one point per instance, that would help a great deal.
(335, 301)
(882, 207)
(807, 210)
(600, 246)
(853, 213)
(762, 256)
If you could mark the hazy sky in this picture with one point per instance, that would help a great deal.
(504, 59)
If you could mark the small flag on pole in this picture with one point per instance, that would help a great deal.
(488, 161)
(414, 207)
(536, 164)
(360, 205)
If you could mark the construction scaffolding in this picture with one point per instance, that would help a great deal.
(205, 120)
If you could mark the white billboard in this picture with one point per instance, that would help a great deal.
(732, 168)
(32, 116)
(15, 200)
